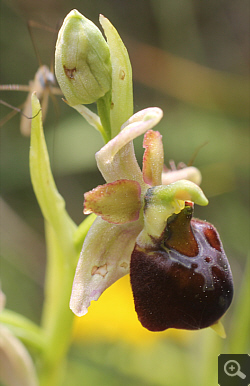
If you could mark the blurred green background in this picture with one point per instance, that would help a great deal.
(191, 58)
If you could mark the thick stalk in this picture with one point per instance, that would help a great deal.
(57, 318)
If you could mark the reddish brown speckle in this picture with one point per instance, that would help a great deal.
(212, 238)
(69, 72)
(122, 74)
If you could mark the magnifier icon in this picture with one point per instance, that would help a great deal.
(232, 368)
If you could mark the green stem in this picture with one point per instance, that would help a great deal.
(103, 107)
(57, 318)
(82, 230)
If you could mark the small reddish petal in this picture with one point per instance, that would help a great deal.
(153, 158)
(117, 202)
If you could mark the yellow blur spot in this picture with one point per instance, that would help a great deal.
(113, 318)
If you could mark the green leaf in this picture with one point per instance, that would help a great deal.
(50, 201)
(23, 328)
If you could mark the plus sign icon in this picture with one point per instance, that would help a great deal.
(234, 370)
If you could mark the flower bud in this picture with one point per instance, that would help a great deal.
(82, 60)
(184, 279)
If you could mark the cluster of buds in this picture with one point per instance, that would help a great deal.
(180, 275)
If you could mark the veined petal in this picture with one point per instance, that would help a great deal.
(117, 202)
(153, 158)
(189, 173)
(105, 257)
(116, 160)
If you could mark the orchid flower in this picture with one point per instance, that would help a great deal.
(144, 219)
(141, 221)
(119, 205)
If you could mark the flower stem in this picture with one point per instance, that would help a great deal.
(57, 318)
(103, 106)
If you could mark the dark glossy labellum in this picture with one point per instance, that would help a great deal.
(184, 280)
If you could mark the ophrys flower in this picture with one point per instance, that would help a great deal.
(123, 218)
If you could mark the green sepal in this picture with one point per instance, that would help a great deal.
(122, 86)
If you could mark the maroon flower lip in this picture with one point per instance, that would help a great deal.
(184, 281)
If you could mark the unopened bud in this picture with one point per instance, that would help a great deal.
(82, 60)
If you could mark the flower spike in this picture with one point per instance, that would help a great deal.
(179, 272)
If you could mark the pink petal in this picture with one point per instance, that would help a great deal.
(117, 202)
(153, 158)
(189, 173)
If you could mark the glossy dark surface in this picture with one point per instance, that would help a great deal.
(185, 280)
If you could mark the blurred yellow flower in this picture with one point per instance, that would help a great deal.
(114, 318)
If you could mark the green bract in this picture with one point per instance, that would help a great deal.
(82, 60)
